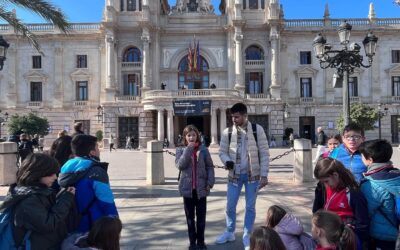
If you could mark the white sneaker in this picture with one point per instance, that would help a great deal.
(225, 237)
(246, 242)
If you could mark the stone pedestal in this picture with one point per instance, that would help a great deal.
(155, 163)
(302, 171)
(8, 163)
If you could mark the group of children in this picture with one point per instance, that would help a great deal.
(50, 205)
(348, 212)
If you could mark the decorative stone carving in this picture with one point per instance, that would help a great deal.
(218, 54)
(167, 56)
(205, 6)
(180, 7)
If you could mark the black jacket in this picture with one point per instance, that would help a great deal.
(38, 210)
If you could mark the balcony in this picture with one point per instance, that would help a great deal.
(81, 103)
(254, 64)
(307, 100)
(191, 94)
(355, 99)
(258, 96)
(396, 99)
(36, 104)
(128, 98)
(131, 65)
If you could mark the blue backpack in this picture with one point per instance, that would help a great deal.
(6, 233)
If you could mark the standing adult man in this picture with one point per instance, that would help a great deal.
(244, 152)
(347, 153)
(321, 142)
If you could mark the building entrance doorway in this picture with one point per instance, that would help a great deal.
(307, 127)
(202, 123)
(128, 126)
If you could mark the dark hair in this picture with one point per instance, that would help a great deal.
(274, 216)
(239, 108)
(61, 149)
(353, 127)
(327, 166)
(34, 167)
(190, 128)
(337, 137)
(105, 233)
(265, 238)
(78, 126)
(335, 231)
(82, 144)
(378, 150)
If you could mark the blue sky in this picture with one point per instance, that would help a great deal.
(91, 10)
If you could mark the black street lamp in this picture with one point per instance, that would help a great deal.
(381, 113)
(3, 51)
(100, 113)
(344, 60)
(3, 120)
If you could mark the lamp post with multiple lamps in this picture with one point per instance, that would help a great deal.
(3, 51)
(345, 60)
(100, 114)
(3, 120)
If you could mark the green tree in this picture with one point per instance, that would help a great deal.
(361, 114)
(30, 124)
(43, 8)
(99, 135)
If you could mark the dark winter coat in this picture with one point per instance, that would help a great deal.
(357, 202)
(205, 171)
(38, 210)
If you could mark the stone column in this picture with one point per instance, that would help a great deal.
(275, 88)
(302, 171)
(170, 128)
(155, 163)
(214, 135)
(8, 163)
(58, 78)
(13, 70)
(160, 125)
(222, 124)
(239, 82)
(110, 61)
(145, 61)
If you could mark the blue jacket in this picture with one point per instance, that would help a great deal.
(93, 191)
(353, 162)
(381, 203)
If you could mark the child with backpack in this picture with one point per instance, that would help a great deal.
(197, 178)
(328, 229)
(36, 217)
(338, 191)
(289, 228)
(381, 187)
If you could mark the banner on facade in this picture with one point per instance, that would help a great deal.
(192, 107)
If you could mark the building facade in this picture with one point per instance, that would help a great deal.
(148, 69)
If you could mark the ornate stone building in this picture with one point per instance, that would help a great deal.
(148, 69)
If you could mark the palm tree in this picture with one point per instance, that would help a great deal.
(40, 7)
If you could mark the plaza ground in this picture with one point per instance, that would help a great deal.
(153, 216)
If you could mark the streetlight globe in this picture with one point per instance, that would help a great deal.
(344, 32)
(3, 51)
(369, 43)
(319, 45)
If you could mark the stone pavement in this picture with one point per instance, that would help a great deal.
(153, 216)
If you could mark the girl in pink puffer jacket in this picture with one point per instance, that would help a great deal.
(289, 228)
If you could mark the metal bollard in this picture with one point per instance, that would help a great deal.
(302, 171)
(155, 163)
(8, 166)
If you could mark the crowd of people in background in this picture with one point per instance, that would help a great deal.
(63, 200)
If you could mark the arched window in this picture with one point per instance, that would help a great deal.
(197, 78)
(132, 55)
(254, 53)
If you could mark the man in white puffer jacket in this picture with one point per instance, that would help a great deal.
(244, 152)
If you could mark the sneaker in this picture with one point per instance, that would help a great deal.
(225, 237)
(246, 242)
